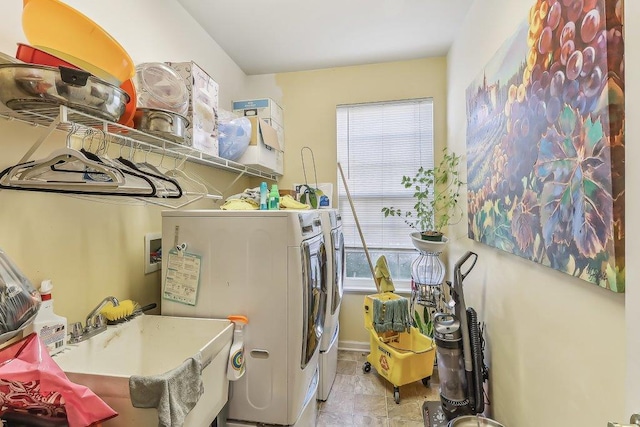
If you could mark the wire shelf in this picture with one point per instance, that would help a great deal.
(82, 124)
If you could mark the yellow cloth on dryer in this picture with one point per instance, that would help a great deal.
(288, 202)
(239, 205)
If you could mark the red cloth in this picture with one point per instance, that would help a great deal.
(31, 380)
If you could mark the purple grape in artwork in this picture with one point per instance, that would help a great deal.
(568, 32)
(574, 65)
(554, 15)
(553, 109)
(588, 60)
(590, 25)
(557, 84)
(593, 83)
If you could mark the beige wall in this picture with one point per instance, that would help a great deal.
(310, 98)
(94, 248)
(555, 343)
(632, 129)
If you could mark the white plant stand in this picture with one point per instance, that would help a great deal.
(427, 274)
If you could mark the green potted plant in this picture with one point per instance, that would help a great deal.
(436, 192)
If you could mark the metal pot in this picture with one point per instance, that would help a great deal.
(473, 421)
(162, 123)
(33, 87)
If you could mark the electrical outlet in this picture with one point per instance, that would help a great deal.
(152, 252)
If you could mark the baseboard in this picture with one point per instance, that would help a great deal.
(353, 346)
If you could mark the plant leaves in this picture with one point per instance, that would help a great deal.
(576, 200)
(525, 224)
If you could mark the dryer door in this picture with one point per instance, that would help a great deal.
(337, 239)
(314, 261)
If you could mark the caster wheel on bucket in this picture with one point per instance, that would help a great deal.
(396, 394)
(426, 381)
(366, 368)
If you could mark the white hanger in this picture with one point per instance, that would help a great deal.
(38, 173)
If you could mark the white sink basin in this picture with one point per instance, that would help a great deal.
(151, 345)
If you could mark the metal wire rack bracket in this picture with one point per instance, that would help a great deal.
(69, 120)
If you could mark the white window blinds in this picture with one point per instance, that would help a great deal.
(377, 144)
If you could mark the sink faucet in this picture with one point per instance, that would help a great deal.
(94, 323)
(96, 311)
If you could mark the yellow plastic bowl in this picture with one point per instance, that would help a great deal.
(55, 26)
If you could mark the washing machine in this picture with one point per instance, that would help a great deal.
(270, 266)
(328, 358)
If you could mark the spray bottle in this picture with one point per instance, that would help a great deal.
(51, 328)
(236, 367)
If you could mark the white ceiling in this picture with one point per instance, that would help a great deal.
(275, 36)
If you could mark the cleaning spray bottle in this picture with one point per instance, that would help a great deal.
(264, 192)
(51, 328)
(236, 367)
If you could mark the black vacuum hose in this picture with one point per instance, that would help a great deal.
(478, 362)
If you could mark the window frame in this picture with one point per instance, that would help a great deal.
(402, 284)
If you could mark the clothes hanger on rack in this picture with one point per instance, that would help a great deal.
(171, 188)
(135, 181)
(193, 189)
(51, 170)
(71, 171)
(178, 172)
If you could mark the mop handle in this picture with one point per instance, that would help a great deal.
(355, 216)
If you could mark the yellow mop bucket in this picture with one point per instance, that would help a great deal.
(400, 357)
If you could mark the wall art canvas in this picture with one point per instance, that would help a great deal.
(545, 142)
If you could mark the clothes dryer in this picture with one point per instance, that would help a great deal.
(271, 267)
(328, 359)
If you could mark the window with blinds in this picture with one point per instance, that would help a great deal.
(378, 143)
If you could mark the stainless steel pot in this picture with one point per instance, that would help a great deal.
(162, 123)
(473, 421)
(32, 87)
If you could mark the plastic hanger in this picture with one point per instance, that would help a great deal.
(89, 176)
(27, 173)
(172, 192)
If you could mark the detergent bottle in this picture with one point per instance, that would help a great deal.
(263, 196)
(274, 198)
(51, 328)
(236, 367)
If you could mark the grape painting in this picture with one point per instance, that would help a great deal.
(545, 142)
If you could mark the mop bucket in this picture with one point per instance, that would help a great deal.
(400, 357)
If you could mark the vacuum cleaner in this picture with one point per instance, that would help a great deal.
(459, 342)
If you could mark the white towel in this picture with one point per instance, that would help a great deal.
(173, 393)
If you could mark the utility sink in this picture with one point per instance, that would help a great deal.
(151, 345)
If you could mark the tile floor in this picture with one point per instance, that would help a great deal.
(366, 399)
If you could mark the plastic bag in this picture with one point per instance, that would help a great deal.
(19, 300)
(233, 137)
(31, 382)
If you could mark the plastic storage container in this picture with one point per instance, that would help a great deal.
(161, 87)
